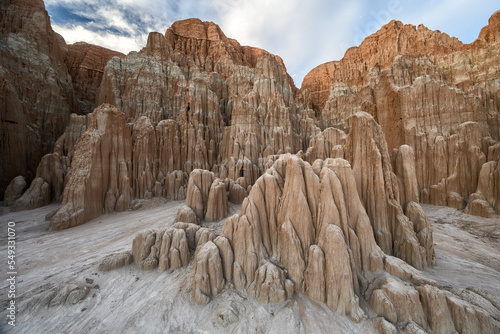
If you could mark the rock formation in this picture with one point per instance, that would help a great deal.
(208, 86)
(409, 116)
(54, 168)
(14, 190)
(114, 261)
(316, 217)
(100, 171)
(209, 277)
(164, 249)
(217, 204)
(485, 201)
(200, 100)
(198, 190)
(184, 132)
(211, 82)
(230, 108)
(328, 252)
(37, 195)
(237, 192)
(187, 215)
(37, 91)
(85, 63)
(207, 198)
(171, 247)
(383, 194)
(426, 90)
(376, 51)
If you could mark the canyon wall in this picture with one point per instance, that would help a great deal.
(329, 176)
(36, 91)
(426, 90)
(195, 99)
(85, 63)
(44, 81)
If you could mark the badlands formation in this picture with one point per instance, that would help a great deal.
(204, 192)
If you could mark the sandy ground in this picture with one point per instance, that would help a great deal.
(467, 249)
(128, 300)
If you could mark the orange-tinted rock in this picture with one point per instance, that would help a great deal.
(426, 90)
(85, 63)
(377, 50)
(491, 32)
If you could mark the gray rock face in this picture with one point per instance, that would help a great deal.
(14, 190)
(37, 93)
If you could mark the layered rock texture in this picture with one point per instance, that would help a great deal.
(329, 177)
(216, 102)
(195, 100)
(36, 90)
(43, 82)
(85, 63)
(199, 100)
(304, 228)
(383, 194)
(428, 91)
(100, 171)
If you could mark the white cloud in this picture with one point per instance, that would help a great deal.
(304, 34)
(111, 41)
(113, 18)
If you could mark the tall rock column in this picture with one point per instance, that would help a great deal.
(100, 172)
(382, 192)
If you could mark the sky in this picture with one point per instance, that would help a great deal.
(304, 33)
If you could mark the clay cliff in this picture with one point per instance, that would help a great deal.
(100, 171)
(223, 107)
(329, 177)
(44, 81)
(200, 100)
(85, 63)
(426, 90)
(215, 105)
(195, 99)
(36, 91)
(376, 51)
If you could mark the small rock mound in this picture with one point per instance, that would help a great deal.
(114, 261)
(14, 190)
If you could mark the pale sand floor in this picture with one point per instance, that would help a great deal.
(128, 300)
